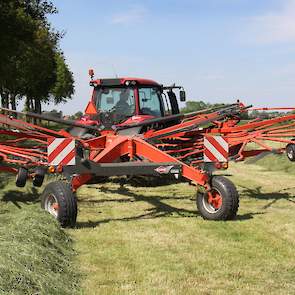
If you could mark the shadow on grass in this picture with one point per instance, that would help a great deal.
(129, 197)
(19, 197)
(3, 181)
(146, 181)
(248, 216)
(160, 209)
(273, 197)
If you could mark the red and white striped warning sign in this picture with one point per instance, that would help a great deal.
(216, 149)
(61, 151)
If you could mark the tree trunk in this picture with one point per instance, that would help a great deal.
(38, 106)
(38, 110)
(12, 99)
(29, 107)
(4, 100)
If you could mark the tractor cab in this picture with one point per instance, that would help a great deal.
(124, 101)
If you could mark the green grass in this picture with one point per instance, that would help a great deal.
(35, 253)
(275, 163)
(138, 240)
(135, 240)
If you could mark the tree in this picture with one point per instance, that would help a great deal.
(63, 87)
(76, 116)
(32, 65)
(19, 20)
(192, 106)
(36, 72)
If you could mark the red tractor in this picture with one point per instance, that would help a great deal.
(119, 102)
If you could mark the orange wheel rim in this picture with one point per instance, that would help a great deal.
(215, 199)
(55, 206)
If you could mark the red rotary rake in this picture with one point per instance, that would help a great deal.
(189, 147)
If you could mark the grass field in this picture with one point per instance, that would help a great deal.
(135, 240)
(138, 240)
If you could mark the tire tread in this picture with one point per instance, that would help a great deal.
(230, 200)
(67, 201)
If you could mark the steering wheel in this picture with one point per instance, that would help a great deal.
(111, 117)
(107, 118)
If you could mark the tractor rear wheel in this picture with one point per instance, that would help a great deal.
(290, 152)
(221, 203)
(59, 200)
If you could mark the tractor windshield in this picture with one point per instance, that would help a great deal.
(118, 101)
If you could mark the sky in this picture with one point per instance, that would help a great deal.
(219, 50)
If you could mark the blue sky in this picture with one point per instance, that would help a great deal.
(219, 50)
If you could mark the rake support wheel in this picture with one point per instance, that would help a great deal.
(38, 179)
(21, 177)
(221, 203)
(290, 151)
(59, 200)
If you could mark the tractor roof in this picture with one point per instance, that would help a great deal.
(123, 81)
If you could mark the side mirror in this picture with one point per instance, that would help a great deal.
(182, 95)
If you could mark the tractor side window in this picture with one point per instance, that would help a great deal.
(149, 101)
(167, 105)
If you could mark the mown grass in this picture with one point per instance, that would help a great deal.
(276, 163)
(35, 253)
(271, 161)
(139, 240)
(136, 240)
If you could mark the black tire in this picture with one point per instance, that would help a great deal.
(227, 208)
(38, 179)
(21, 177)
(290, 152)
(59, 200)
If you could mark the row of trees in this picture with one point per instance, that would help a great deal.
(193, 106)
(32, 65)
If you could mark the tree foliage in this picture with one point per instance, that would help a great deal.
(193, 106)
(76, 116)
(64, 82)
(32, 66)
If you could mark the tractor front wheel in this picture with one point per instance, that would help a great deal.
(221, 203)
(59, 200)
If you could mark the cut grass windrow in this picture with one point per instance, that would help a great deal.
(35, 253)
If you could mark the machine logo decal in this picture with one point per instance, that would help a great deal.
(61, 151)
(163, 169)
(216, 149)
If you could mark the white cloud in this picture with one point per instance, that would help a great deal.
(276, 26)
(134, 14)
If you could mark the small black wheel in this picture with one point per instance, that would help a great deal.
(59, 200)
(221, 203)
(290, 152)
(21, 177)
(39, 176)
